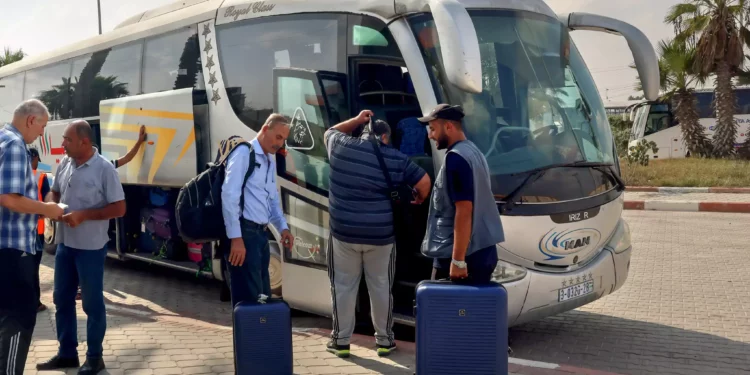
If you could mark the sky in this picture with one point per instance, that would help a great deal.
(38, 26)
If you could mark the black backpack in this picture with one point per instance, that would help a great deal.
(198, 209)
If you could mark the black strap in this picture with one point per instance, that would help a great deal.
(393, 193)
(250, 170)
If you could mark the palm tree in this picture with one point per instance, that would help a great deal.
(190, 62)
(60, 99)
(57, 99)
(9, 56)
(676, 61)
(84, 103)
(719, 27)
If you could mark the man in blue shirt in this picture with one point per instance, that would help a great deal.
(19, 210)
(362, 225)
(249, 255)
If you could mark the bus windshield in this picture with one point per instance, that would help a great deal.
(539, 105)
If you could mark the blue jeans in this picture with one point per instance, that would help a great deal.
(251, 278)
(74, 266)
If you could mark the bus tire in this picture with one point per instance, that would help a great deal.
(225, 295)
(49, 237)
(274, 273)
(274, 270)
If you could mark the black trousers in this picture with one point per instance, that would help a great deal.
(18, 304)
(38, 262)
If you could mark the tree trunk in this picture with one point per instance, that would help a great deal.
(693, 135)
(726, 126)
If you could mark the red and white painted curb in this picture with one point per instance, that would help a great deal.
(655, 189)
(688, 206)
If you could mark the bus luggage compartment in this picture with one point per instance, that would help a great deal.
(176, 143)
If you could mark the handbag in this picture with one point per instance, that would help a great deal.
(400, 196)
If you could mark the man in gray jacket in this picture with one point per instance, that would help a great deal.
(464, 223)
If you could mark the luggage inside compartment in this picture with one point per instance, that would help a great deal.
(150, 223)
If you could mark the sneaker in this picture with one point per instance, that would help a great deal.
(386, 350)
(341, 351)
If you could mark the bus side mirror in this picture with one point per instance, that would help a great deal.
(458, 44)
(643, 52)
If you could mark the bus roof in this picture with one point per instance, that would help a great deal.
(189, 12)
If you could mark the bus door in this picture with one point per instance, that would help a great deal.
(314, 101)
(660, 128)
(383, 85)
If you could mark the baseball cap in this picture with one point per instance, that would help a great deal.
(444, 112)
(33, 152)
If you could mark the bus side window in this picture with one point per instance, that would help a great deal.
(743, 101)
(314, 101)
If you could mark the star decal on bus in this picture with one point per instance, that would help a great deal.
(210, 64)
(208, 46)
(216, 97)
(206, 29)
(212, 78)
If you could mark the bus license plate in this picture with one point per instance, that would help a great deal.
(575, 291)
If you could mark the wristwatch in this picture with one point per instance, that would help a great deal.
(459, 263)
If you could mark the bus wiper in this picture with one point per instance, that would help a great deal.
(607, 170)
(535, 174)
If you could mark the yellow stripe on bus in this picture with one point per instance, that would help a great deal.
(164, 140)
(147, 113)
(188, 142)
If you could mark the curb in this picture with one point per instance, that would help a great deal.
(655, 189)
(688, 206)
(515, 365)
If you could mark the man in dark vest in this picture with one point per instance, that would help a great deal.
(463, 224)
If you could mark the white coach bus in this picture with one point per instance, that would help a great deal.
(197, 72)
(655, 121)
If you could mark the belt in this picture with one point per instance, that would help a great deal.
(254, 225)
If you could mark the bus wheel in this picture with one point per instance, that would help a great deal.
(225, 295)
(274, 274)
(49, 237)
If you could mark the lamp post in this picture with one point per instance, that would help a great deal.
(99, 10)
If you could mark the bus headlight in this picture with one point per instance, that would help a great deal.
(506, 273)
(623, 240)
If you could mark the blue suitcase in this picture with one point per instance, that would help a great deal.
(461, 329)
(263, 338)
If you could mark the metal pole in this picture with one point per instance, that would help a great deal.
(99, 10)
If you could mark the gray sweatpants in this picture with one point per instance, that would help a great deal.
(345, 264)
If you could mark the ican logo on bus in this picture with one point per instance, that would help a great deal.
(559, 244)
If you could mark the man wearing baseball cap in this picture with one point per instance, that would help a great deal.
(463, 244)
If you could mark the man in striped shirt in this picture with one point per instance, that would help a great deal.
(362, 225)
(19, 210)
